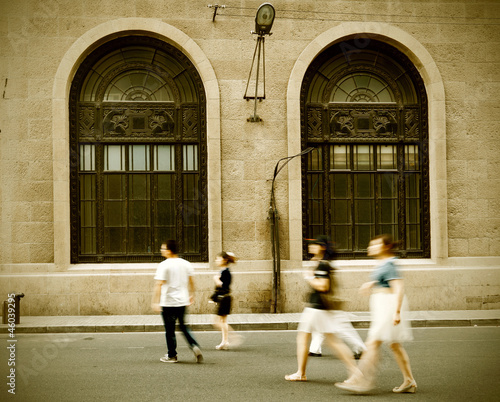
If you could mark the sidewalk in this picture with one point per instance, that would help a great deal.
(240, 322)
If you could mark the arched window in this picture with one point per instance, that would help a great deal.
(138, 154)
(365, 113)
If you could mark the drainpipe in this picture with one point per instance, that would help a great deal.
(275, 236)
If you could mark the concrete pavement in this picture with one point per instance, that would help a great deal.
(240, 322)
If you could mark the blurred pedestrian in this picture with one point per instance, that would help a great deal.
(346, 332)
(316, 317)
(173, 292)
(388, 307)
(222, 296)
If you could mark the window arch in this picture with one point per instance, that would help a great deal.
(365, 113)
(138, 154)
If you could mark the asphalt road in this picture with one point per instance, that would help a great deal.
(449, 364)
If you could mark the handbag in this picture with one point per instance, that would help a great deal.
(330, 299)
(218, 295)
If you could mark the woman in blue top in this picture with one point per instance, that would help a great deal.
(388, 323)
(316, 317)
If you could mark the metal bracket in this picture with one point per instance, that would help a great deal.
(215, 7)
(259, 48)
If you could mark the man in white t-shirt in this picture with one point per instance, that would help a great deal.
(173, 291)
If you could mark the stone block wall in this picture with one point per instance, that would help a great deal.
(129, 293)
(461, 39)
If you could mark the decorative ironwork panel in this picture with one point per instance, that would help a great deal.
(315, 123)
(86, 121)
(412, 123)
(139, 121)
(190, 129)
(162, 122)
(363, 122)
(115, 122)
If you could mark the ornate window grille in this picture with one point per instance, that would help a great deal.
(365, 112)
(138, 154)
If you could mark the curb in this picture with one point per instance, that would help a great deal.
(246, 326)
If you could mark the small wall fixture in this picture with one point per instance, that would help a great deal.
(263, 23)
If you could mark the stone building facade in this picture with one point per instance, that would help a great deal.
(68, 136)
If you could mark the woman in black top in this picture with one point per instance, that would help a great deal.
(316, 317)
(222, 290)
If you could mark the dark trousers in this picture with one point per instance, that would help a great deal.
(170, 316)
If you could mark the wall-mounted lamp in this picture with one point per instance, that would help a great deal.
(264, 19)
(263, 22)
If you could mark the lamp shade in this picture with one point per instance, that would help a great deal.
(264, 19)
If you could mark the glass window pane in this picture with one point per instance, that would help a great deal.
(412, 187)
(88, 240)
(413, 211)
(389, 229)
(362, 81)
(164, 158)
(363, 186)
(165, 211)
(385, 96)
(87, 187)
(139, 157)
(139, 187)
(113, 187)
(113, 213)
(363, 157)
(387, 157)
(114, 240)
(364, 211)
(388, 211)
(138, 213)
(166, 187)
(315, 200)
(413, 237)
(190, 157)
(411, 157)
(138, 240)
(348, 85)
(315, 159)
(87, 157)
(87, 214)
(191, 212)
(341, 211)
(340, 185)
(387, 184)
(340, 157)
(363, 234)
(114, 157)
(362, 87)
(342, 237)
(190, 187)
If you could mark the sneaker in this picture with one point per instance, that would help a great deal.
(166, 359)
(314, 354)
(197, 354)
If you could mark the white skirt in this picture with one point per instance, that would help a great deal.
(382, 328)
(322, 321)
